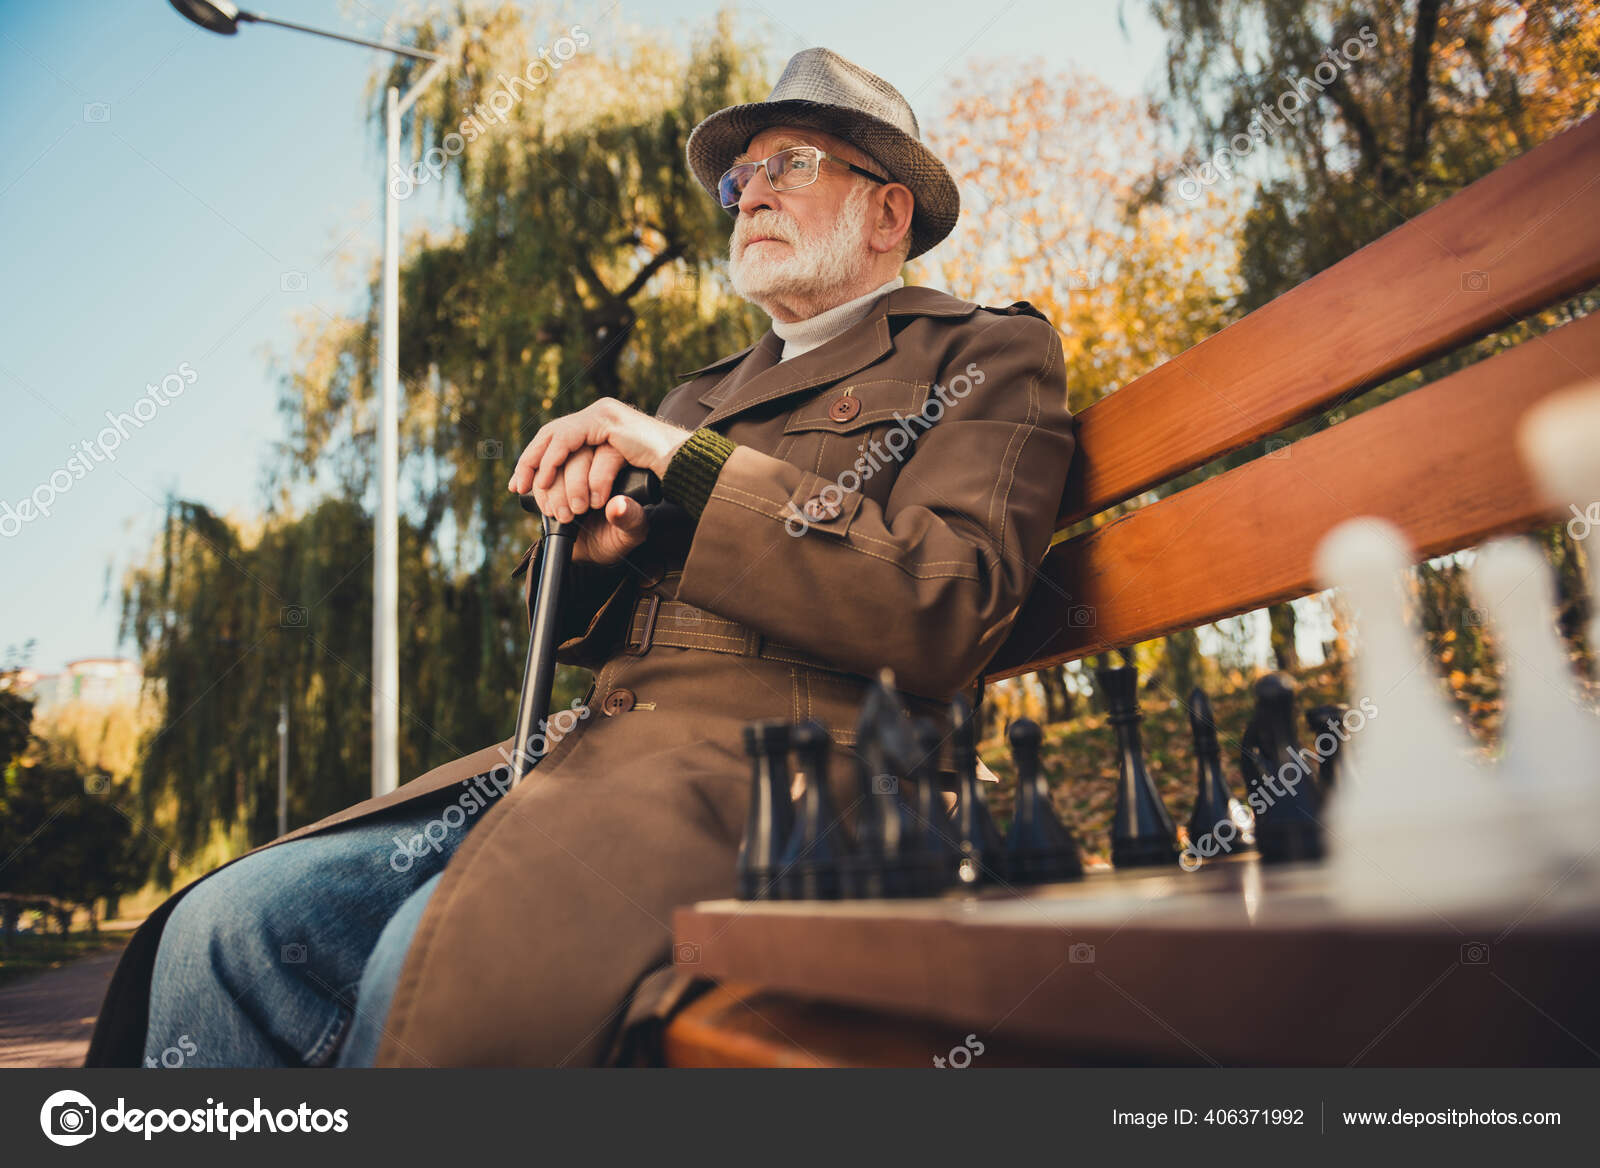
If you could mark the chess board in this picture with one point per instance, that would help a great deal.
(1239, 963)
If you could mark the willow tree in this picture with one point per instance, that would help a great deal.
(585, 264)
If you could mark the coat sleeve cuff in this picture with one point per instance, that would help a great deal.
(693, 470)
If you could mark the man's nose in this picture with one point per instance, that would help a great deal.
(758, 193)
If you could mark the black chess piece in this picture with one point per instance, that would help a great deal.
(810, 862)
(770, 819)
(934, 846)
(1213, 802)
(1288, 799)
(1142, 833)
(880, 864)
(1326, 720)
(982, 851)
(1039, 848)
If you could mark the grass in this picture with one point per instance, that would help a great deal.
(35, 952)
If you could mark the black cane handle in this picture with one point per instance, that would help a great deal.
(638, 484)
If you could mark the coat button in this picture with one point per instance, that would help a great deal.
(618, 701)
(844, 408)
(819, 509)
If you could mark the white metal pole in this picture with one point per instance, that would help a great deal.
(386, 550)
(283, 766)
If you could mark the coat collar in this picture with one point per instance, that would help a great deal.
(758, 377)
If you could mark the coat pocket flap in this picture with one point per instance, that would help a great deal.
(879, 400)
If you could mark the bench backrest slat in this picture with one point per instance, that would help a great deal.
(1529, 234)
(1439, 462)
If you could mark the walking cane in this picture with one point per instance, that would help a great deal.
(538, 677)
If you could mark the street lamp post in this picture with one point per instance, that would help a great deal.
(220, 17)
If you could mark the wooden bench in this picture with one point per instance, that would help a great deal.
(1237, 963)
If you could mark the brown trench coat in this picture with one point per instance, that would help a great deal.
(551, 927)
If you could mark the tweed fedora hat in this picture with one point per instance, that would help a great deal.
(821, 90)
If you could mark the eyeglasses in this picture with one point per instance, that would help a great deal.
(787, 170)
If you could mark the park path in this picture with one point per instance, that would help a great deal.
(46, 1018)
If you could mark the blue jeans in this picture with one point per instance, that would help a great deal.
(290, 957)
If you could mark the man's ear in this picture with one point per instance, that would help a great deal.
(893, 219)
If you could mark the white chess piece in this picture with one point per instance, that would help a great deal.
(1415, 828)
(1559, 441)
(1552, 744)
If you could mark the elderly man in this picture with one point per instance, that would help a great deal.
(871, 484)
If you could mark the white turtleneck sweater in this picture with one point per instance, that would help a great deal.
(801, 336)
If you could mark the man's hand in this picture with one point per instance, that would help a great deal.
(573, 462)
(606, 537)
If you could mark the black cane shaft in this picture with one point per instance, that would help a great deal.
(539, 673)
(529, 740)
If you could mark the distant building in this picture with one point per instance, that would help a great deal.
(98, 681)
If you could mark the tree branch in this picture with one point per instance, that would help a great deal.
(592, 277)
(1420, 113)
(650, 269)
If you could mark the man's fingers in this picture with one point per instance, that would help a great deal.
(560, 447)
(603, 470)
(575, 484)
(528, 462)
(626, 516)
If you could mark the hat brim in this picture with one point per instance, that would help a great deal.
(717, 141)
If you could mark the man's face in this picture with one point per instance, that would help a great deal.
(808, 242)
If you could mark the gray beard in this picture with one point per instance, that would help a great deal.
(814, 269)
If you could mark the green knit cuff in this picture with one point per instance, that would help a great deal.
(693, 470)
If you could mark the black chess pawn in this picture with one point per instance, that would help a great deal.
(1288, 800)
(810, 862)
(1039, 847)
(1326, 724)
(770, 820)
(978, 841)
(933, 844)
(1212, 819)
(1142, 833)
(880, 864)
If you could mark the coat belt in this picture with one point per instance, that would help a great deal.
(684, 626)
(678, 625)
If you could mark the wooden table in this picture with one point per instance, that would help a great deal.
(1238, 964)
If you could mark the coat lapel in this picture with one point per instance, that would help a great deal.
(759, 378)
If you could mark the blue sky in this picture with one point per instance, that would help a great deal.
(161, 186)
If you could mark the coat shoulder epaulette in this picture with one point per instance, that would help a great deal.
(1017, 308)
